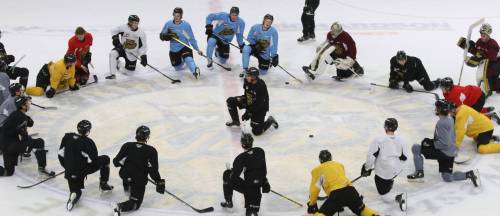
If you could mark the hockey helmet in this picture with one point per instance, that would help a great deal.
(269, 17)
(177, 10)
(234, 10)
(485, 29)
(443, 106)
(446, 83)
(20, 101)
(336, 29)
(69, 58)
(14, 88)
(252, 71)
(133, 18)
(142, 133)
(401, 55)
(246, 140)
(84, 127)
(324, 156)
(391, 124)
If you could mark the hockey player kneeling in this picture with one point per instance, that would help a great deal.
(17, 141)
(330, 175)
(339, 49)
(255, 101)
(252, 163)
(137, 160)
(56, 76)
(387, 154)
(441, 148)
(78, 156)
(409, 68)
(475, 125)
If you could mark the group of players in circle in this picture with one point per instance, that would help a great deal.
(461, 113)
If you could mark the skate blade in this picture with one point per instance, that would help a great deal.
(416, 180)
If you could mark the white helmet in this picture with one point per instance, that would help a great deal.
(336, 29)
(485, 29)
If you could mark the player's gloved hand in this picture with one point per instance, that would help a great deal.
(30, 122)
(364, 172)
(9, 59)
(461, 43)
(275, 60)
(246, 116)
(160, 186)
(266, 187)
(50, 93)
(393, 84)
(144, 60)
(408, 87)
(312, 208)
(74, 87)
(427, 142)
(116, 43)
(241, 47)
(209, 29)
(87, 58)
(164, 37)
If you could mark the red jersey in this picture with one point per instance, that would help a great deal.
(489, 49)
(80, 48)
(467, 95)
(346, 41)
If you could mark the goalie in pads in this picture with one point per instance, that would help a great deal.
(340, 49)
(484, 53)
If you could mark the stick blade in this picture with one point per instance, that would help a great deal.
(51, 108)
(206, 210)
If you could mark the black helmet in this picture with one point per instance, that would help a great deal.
(400, 55)
(443, 106)
(177, 10)
(446, 82)
(133, 17)
(69, 58)
(84, 127)
(246, 140)
(269, 17)
(234, 10)
(252, 71)
(324, 156)
(391, 124)
(20, 101)
(142, 133)
(14, 88)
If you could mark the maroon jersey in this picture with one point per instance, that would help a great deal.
(488, 49)
(346, 41)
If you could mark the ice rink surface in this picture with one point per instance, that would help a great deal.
(187, 119)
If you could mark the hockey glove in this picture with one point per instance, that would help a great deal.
(87, 58)
(164, 37)
(144, 60)
(364, 172)
(116, 42)
(408, 87)
(30, 122)
(241, 47)
(266, 187)
(311, 209)
(461, 43)
(246, 116)
(74, 88)
(209, 29)
(427, 142)
(393, 84)
(9, 59)
(160, 186)
(50, 93)
(276, 60)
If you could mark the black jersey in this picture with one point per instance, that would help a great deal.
(15, 132)
(257, 98)
(137, 160)
(76, 153)
(252, 163)
(413, 69)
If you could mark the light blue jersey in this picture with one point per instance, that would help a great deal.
(225, 28)
(266, 38)
(184, 33)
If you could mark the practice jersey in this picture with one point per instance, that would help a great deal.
(181, 31)
(80, 48)
(252, 163)
(467, 95)
(133, 41)
(137, 160)
(266, 40)
(330, 176)
(412, 69)
(387, 153)
(76, 153)
(471, 123)
(6, 108)
(345, 40)
(61, 76)
(225, 28)
(256, 96)
(488, 50)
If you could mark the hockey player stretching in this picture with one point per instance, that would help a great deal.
(228, 25)
(441, 148)
(12, 71)
(136, 160)
(179, 54)
(263, 39)
(129, 42)
(340, 49)
(330, 176)
(252, 163)
(405, 69)
(256, 102)
(387, 154)
(79, 158)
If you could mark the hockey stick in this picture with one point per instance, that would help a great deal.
(173, 80)
(17, 62)
(49, 178)
(205, 210)
(283, 196)
(326, 197)
(436, 96)
(469, 33)
(44, 107)
(96, 80)
(190, 47)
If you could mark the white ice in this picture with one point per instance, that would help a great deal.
(187, 119)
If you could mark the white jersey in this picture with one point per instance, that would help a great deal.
(387, 153)
(132, 41)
